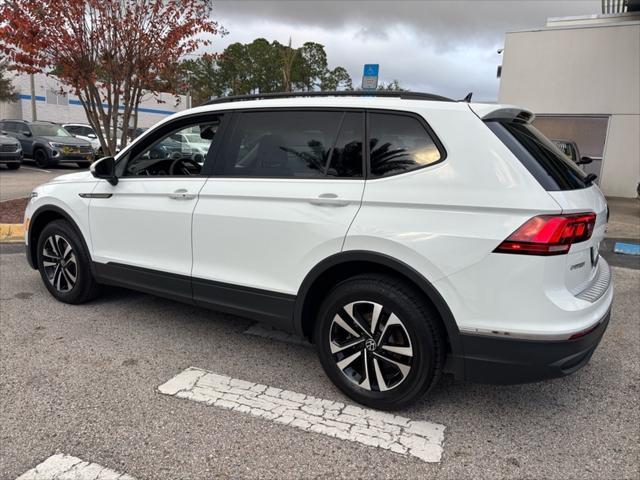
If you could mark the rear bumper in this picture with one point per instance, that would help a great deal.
(509, 361)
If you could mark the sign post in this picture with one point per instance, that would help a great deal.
(370, 76)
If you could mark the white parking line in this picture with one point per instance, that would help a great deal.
(36, 169)
(66, 467)
(370, 427)
(264, 331)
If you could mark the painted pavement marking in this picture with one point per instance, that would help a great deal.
(264, 331)
(66, 467)
(347, 422)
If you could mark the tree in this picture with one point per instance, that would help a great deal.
(201, 78)
(336, 79)
(7, 92)
(311, 66)
(263, 67)
(107, 51)
(393, 86)
(288, 57)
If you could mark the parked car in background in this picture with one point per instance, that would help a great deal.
(193, 141)
(86, 132)
(402, 233)
(570, 149)
(10, 152)
(48, 143)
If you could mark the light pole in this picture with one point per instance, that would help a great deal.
(32, 85)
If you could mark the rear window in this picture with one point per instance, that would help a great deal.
(553, 170)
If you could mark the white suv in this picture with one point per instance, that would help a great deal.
(404, 234)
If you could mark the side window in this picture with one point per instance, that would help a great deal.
(284, 143)
(346, 157)
(397, 144)
(20, 128)
(72, 130)
(181, 151)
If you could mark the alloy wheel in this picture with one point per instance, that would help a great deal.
(59, 262)
(371, 346)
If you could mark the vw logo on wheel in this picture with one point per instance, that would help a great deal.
(370, 344)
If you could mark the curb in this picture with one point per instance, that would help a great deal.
(11, 233)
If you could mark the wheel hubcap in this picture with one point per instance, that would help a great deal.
(59, 262)
(371, 346)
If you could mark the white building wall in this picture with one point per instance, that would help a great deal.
(54, 107)
(584, 70)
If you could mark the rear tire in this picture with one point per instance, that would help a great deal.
(65, 264)
(41, 157)
(391, 351)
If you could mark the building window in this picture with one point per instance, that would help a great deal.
(52, 98)
(56, 98)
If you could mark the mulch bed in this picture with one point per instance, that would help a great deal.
(12, 211)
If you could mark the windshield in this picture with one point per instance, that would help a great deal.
(544, 160)
(49, 131)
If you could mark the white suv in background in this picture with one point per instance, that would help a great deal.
(404, 234)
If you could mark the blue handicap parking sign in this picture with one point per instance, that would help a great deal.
(371, 70)
(370, 76)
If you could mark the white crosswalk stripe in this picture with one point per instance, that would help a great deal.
(66, 467)
(348, 422)
(264, 331)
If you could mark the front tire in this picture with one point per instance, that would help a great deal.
(379, 341)
(64, 264)
(41, 157)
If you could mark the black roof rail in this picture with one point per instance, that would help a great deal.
(341, 93)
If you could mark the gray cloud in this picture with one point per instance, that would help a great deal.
(448, 47)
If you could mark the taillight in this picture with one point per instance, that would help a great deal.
(549, 234)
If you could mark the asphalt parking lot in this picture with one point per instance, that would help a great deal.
(19, 183)
(83, 381)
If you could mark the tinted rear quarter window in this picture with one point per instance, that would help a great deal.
(399, 143)
(548, 165)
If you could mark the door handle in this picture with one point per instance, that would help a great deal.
(329, 199)
(181, 194)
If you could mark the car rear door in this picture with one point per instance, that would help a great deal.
(280, 198)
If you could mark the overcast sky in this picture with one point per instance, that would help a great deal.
(445, 47)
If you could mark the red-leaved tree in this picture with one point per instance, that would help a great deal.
(110, 52)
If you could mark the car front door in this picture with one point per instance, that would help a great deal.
(141, 227)
(280, 198)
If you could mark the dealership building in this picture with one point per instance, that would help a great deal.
(581, 77)
(54, 102)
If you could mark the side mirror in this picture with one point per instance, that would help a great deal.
(91, 135)
(105, 168)
(26, 133)
(584, 161)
